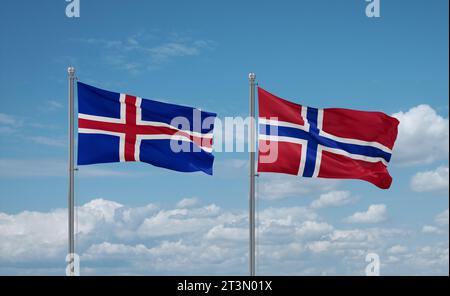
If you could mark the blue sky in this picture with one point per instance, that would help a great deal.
(318, 53)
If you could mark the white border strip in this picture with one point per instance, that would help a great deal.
(318, 161)
(347, 140)
(139, 121)
(122, 118)
(352, 156)
(282, 123)
(303, 143)
(102, 132)
(139, 138)
(280, 139)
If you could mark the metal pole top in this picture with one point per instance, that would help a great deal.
(251, 76)
(71, 70)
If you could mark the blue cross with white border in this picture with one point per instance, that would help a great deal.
(316, 140)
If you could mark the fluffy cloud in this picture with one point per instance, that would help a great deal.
(431, 229)
(423, 136)
(442, 218)
(435, 180)
(202, 239)
(441, 224)
(280, 187)
(148, 51)
(9, 123)
(51, 167)
(110, 233)
(333, 199)
(397, 249)
(179, 221)
(430, 256)
(228, 233)
(6, 119)
(374, 214)
(313, 229)
(187, 202)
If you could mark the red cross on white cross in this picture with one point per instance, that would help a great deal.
(131, 129)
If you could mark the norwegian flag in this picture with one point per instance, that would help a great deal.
(114, 127)
(324, 143)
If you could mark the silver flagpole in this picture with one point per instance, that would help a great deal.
(71, 72)
(251, 78)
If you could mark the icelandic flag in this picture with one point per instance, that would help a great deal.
(324, 143)
(117, 127)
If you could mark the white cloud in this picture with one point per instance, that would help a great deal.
(313, 229)
(101, 209)
(429, 257)
(51, 167)
(51, 105)
(441, 224)
(227, 233)
(442, 218)
(110, 232)
(179, 221)
(161, 53)
(397, 249)
(431, 229)
(6, 119)
(319, 246)
(188, 202)
(423, 136)
(49, 141)
(435, 180)
(280, 187)
(374, 214)
(12, 125)
(285, 215)
(54, 104)
(333, 199)
(203, 239)
(353, 235)
(142, 51)
(9, 123)
(38, 236)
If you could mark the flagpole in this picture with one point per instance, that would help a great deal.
(252, 199)
(71, 207)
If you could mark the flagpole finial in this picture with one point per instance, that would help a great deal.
(251, 76)
(71, 70)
